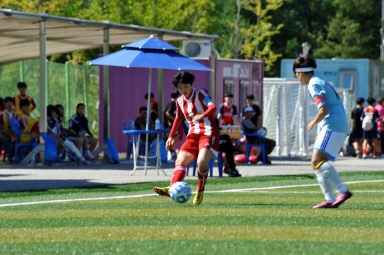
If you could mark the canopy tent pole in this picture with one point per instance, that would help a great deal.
(160, 89)
(22, 75)
(106, 133)
(213, 72)
(43, 78)
(67, 95)
(148, 119)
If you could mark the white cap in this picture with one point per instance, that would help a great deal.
(248, 109)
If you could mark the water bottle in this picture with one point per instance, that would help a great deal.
(157, 124)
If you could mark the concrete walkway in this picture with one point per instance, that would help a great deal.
(15, 178)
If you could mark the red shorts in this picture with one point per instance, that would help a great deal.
(194, 143)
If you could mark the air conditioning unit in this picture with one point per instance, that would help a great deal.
(197, 48)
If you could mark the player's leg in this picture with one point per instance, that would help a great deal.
(327, 146)
(208, 148)
(188, 152)
(318, 158)
(203, 168)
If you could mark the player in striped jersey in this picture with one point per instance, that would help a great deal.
(333, 124)
(202, 142)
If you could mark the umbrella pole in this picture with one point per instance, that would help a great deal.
(147, 124)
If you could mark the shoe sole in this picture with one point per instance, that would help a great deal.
(161, 192)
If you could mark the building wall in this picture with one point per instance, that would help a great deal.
(329, 70)
(128, 87)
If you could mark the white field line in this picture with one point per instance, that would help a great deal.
(151, 195)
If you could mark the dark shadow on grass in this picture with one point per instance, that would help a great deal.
(42, 185)
(255, 204)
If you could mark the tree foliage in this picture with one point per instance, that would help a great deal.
(268, 29)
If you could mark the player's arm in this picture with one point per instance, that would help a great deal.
(211, 107)
(378, 121)
(176, 125)
(33, 104)
(317, 93)
(221, 111)
(323, 111)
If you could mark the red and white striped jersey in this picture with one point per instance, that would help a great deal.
(196, 104)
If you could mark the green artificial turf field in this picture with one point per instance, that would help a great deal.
(254, 221)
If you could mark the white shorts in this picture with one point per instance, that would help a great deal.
(329, 142)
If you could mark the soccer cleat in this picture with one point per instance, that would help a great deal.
(162, 191)
(341, 198)
(198, 198)
(324, 204)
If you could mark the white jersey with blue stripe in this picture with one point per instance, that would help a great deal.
(324, 94)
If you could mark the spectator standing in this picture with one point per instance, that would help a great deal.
(256, 118)
(370, 135)
(356, 135)
(170, 110)
(79, 127)
(228, 112)
(22, 87)
(250, 127)
(380, 110)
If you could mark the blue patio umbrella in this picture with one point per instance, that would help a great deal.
(149, 53)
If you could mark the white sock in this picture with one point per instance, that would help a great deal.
(334, 177)
(325, 185)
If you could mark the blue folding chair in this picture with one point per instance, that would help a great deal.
(20, 148)
(50, 153)
(136, 136)
(211, 161)
(250, 145)
(129, 144)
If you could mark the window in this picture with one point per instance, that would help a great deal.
(244, 91)
(228, 86)
(347, 80)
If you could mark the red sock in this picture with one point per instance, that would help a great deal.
(202, 180)
(365, 152)
(178, 174)
(374, 153)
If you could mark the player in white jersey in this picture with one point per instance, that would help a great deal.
(202, 142)
(333, 129)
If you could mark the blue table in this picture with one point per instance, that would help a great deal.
(136, 144)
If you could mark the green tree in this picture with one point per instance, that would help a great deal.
(353, 32)
(258, 36)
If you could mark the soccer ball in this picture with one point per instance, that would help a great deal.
(180, 192)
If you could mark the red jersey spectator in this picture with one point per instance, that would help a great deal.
(228, 112)
(22, 86)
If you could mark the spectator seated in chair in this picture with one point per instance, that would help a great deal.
(227, 147)
(79, 128)
(250, 128)
(28, 123)
(54, 128)
(6, 132)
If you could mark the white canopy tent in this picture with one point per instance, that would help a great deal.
(30, 35)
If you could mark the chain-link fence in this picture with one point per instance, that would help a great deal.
(67, 84)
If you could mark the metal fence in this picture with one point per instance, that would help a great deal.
(287, 111)
(67, 84)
